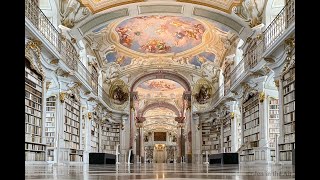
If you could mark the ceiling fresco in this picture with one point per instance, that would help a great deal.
(116, 57)
(160, 34)
(160, 85)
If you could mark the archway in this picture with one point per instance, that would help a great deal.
(160, 90)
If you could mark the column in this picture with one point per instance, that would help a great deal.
(196, 145)
(124, 139)
(59, 127)
(263, 119)
(87, 142)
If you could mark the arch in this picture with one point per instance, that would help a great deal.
(160, 104)
(162, 75)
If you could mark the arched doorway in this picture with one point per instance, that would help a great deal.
(160, 92)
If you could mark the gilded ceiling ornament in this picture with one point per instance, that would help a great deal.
(54, 61)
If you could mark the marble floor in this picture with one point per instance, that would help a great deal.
(159, 171)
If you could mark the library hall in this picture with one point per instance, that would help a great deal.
(159, 89)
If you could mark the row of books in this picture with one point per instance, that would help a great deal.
(34, 156)
(71, 115)
(33, 138)
(289, 97)
(247, 158)
(253, 137)
(251, 109)
(289, 88)
(33, 85)
(32, 97)
(289, 146)
(72, 122)
(71, 109)
(49, 134)
(33, 76)
(289, 128)
(50, 115)
(29, 89)
(251, 100)
(32, 129)
(71, 130)
(247, 151)
(31, 72)
(72, 145)
(50, 123)
(290, 117)
(52, 98)
(75, 158)
(110, 134)
(71, 137)
(251, 131)
(251, 117)
(274, 125)
(288, 108)
(34, 120)
(285, 156)
(50, 109)
(251, 124)
(110, 138)
(35, 147)
(288, 81)
(288, 138)
(50, 129)
(227, 128)
(274, 102)
(33, 111)
(35, 102)
(110, 142)
(70, 101)
(274, 131)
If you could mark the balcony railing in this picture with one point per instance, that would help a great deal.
(270, 35)
(276, 28)
(68, 52)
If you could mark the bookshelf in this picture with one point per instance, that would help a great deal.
(274, 126)
(288, 126)
(110, 137)
(95, 128)
(211, 133)
(251, 128)
(50, 126)
(34, 146)
(227, 133)
(227, 75)
(72, 128)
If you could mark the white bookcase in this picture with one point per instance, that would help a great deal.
(72, 128)
(211, 134)
(288, 126)
(34, 146)
(274, 125)
(251, 128)
(227, 133)
(50, 126)
(95, 135)
(110, 137)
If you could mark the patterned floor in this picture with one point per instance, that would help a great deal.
(159, 171)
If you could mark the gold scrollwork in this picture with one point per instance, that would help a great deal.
(62, 97)
(232, 115)
(261, 96)
(89, 115)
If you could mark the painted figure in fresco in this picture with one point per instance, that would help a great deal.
(203, 95)
(119, 95)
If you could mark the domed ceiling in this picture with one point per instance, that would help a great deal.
(160, 34)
